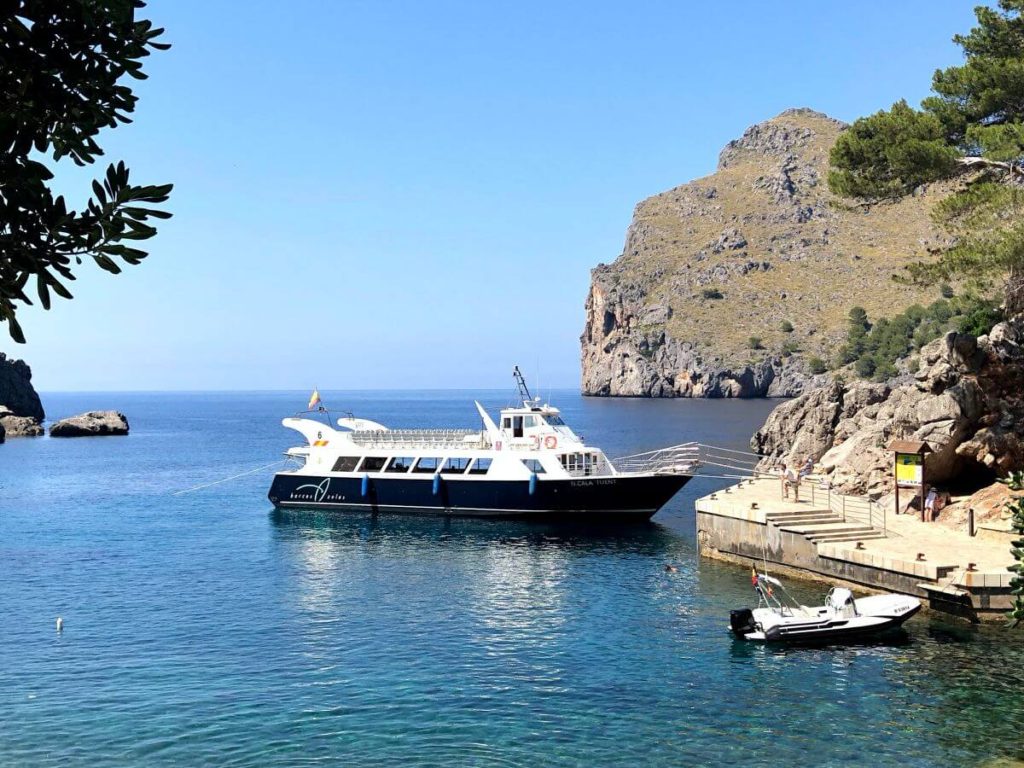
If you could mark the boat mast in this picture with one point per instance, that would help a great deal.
(524, 392)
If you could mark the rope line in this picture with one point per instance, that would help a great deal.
(226, 479)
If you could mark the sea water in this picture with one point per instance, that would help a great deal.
(206, 628)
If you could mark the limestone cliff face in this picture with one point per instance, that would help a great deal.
(715, 262)
(966, 401)
(16, 390)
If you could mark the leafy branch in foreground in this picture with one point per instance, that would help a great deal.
(972, 131)
(63, 61)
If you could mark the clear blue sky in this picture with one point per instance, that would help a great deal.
(404, 195)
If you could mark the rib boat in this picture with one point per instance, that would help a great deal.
(780, 618)
(529, 463)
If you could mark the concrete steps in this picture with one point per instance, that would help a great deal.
(837, 538)
(822, 526)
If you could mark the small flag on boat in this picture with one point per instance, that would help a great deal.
(313, 400)
(753, 576)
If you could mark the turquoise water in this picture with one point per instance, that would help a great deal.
(207, 629)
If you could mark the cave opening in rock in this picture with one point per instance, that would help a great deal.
(971, 477)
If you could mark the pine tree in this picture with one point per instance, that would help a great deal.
(1016, 508)
(971, 130)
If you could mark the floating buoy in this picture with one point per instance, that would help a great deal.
(60, 624)
(533, 482)
(437, 484)
(365, 487)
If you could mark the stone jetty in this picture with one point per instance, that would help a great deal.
(837, 537)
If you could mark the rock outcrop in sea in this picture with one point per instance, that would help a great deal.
(19, 426)
(728, 285)
(16, 390)
(21, 411)
(966, 401)
(93, 423)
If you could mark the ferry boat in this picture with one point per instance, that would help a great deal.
(528, 464)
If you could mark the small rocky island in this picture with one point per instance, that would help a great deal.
(91, 424)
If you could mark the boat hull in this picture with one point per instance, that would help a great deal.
(634, 497)
(829, 630)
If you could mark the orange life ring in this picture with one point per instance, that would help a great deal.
(536, 442)
(550, 441)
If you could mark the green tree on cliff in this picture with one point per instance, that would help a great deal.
(62, 63)
(1016, 508)
(971, 129)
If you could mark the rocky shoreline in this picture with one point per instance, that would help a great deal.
(966, 401)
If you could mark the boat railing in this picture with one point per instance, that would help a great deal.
(421, 438)
(683, 459)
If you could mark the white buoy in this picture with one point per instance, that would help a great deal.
(60, 624)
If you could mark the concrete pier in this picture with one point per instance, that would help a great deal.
(846, 538)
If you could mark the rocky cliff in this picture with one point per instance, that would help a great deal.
(966, 401)
(16, 390)
(734, 255)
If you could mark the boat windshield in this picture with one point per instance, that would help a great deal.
(555, 421)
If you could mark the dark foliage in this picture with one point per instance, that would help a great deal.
(875, 349)
(62, 63)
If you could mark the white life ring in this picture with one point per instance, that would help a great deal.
(550, 442)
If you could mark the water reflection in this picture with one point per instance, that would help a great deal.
(647, 539)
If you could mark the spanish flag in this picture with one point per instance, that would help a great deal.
(314, 400)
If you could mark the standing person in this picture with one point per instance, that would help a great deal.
(792, 478)
(930, 502)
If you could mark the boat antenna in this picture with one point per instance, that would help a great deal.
(524, 392)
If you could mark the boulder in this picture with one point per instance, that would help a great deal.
(90, 424)
(20, 426)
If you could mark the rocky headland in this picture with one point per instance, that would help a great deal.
(728, 285)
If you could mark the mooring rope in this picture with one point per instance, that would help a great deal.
(226, 479)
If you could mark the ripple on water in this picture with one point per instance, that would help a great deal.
(206, 629)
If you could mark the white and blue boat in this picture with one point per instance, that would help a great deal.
(529, 463)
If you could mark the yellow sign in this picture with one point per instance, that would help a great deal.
(909, 468)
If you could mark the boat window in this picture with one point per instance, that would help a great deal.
(345, 464)
(506, 423)
(427, 464)
(373, 464)
(531, 421)
(555, 421)
(400, 464)
(480, 467)
(455, 465)
(517, 426)
(572, 461)
(534, 466)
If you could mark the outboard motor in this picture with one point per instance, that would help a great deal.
(742, 621)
